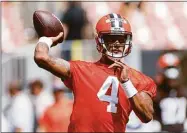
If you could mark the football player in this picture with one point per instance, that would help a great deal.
(106, 91)
(170, 103)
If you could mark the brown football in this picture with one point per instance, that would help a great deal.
(47, 24)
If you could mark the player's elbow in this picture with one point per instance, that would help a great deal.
(40, 59)
(148, 116)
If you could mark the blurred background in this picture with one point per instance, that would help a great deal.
(159, 50)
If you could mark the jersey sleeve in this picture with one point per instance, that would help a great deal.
(150, 88)
(75, 67)
(69, 81)
(143, 83)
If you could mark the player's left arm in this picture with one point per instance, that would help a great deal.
(142, 105)
(141, 102)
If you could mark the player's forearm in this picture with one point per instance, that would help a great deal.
(142, 106)
(141, 102)
(56, 66)
(41, 54)
(41, 51)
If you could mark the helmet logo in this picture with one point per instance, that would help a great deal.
(117, 30)
(116, 23)
(115, 19)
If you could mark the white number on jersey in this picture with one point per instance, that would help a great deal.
(112, 99)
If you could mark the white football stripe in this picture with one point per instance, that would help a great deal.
(57, 19)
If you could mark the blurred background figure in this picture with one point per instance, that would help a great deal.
(19, 111)
(41, 99)
(5, 125)
(56, 117)
(171, 102)
(131, 9)
(74, 20)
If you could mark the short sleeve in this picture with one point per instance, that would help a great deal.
(73, 68)
(143, 83)
(150, 88)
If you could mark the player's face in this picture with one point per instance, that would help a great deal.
(114, 43)
(11, 92)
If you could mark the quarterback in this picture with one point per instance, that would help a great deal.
(106, 91)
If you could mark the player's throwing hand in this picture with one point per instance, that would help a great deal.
(121, 71)
(56, 39)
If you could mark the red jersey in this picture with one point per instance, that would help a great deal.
(100, 103)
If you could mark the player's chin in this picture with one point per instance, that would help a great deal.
(114, 58)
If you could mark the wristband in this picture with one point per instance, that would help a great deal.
(46, 40)
(129, 89)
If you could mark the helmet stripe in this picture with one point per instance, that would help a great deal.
(111, 15)
(115, 20)
(120, 23)
(112, 22)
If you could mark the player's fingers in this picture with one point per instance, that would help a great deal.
(60, 35)
(114, 65)
(120, 63)
(54, 44)
(54, 39)
(111, 65)
(118, 73)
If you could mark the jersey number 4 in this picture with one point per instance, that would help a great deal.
(112, 99)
